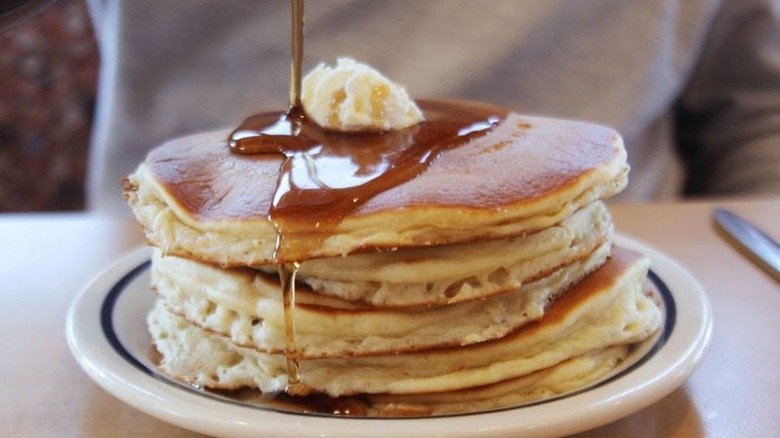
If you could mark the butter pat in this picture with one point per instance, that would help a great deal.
(353, 97)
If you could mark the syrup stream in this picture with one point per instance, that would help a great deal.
(287, 271)
(297, 53)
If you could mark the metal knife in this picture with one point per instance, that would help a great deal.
(750, 241)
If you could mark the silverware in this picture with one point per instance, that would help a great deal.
(750, 241)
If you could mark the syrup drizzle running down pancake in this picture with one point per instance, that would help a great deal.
(326, 175)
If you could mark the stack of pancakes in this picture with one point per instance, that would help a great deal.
(488, 280)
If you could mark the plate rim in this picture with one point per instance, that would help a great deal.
(653, 380)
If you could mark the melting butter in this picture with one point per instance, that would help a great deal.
(352, 97)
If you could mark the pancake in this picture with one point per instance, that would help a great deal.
(198, 200)
(572, 374)
(447, 274)
(608, 308)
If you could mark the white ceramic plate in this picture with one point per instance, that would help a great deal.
(107, 334)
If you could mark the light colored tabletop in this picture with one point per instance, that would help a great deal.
(46, 260)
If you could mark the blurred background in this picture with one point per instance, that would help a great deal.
(48, 78)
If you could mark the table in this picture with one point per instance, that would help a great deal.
(47, 259)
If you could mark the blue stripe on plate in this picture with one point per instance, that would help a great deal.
(107, 316)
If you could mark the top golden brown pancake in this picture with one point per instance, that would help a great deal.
(197, 199)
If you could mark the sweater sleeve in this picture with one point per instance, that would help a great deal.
(728, 123)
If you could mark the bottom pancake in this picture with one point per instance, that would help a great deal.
(572, 374)
(607, 309)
